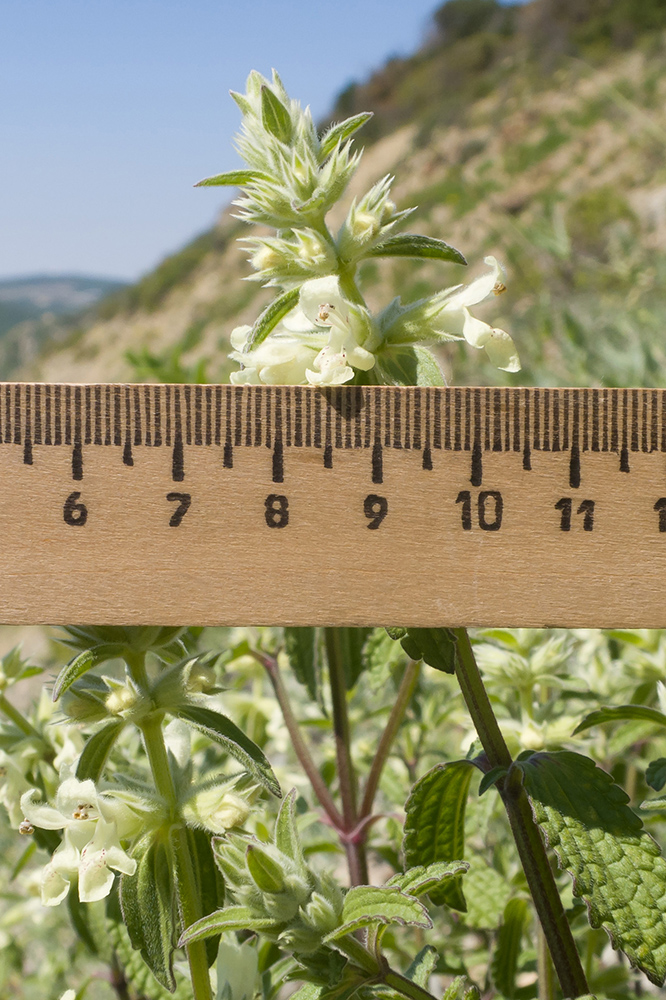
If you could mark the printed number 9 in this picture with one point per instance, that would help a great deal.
(375, 509)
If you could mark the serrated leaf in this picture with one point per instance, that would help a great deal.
(222, 730)
(435, 824)
(147, 901)
(617, 867)
(422, 966)
(274, 116)
(633, 713)
(286, 837)
(409, 364)
(96, 751)
(231, 918)
(365, 905)
(504, 963)
(425, 879)
(300, 647)
(82, 663)
(411, 245)
(655, 775)
(232, 178)
(487, 893)
(208, 880)
(341, 132)
(271, 316)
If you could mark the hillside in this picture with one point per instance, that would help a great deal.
(537, 134)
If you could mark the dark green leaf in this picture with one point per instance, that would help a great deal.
(232, 178)
(409, 364)
(435, 824)
(491, 778)
(147, 899)
(231, 918)
(655, 775)
(426, 879)
(422, 967)
(271, 316)
(365, 905)
(504, 964)
(341, 132)
(300, 647)
(618, 869)
(633, 713)
(274, 116)
(347, 644)
(222, 730)
(411, 245)
(96, 751)
(78, 914)
(82, 663)
(209, 882)
(435, 646)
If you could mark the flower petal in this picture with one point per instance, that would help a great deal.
(502, 352)
(40, 814)
(479, 289)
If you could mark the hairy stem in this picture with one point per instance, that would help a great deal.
(545, 980)
(186, 888)
(356, 859)
(404, 696)
(531, 848)
(379, 970)
(18, 719)
(301, 750)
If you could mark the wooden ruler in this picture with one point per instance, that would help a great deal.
(274, 505)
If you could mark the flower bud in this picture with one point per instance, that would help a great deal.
(299, 939)
(266, 873)
(320, 914)
(216, 809)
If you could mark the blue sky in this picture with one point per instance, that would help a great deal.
(110, 110)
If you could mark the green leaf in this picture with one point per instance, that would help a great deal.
(231, 918)
(266, 873)
(425, 879)
(78, 914)
(222, 730)
(423, 965)
(232, 178)
(435, 824)
(369, 904)
(274, 116)
(147, 899)
(504, 964)
(82, 663)
(271, 316)
(347, 644)
(411, 245)
(24, 859)
(655, 775)
(341, 132)
(633, 713)
(435, 646)
(618, 869)
(409, 364)
(487, 893)
(286, 835)
(300, 647)
(96, 751)
(209, 881)
(491, 778)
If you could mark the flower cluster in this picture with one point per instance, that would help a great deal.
(319, 331)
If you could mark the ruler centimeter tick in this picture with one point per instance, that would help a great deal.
(295, 505)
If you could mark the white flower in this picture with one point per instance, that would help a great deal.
(12, 786)
(456, 319)
(94, 825)
(218, 809)
(238, 976)
(318, 342)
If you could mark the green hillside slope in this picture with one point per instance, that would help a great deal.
(537, 134)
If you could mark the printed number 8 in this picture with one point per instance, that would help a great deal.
(277, 510)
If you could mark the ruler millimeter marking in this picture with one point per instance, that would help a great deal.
(497, 506)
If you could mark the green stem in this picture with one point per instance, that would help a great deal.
(18, 719)
(545, 978)
(301, 750)
(186, 888)
(380, 971)
(404, 697)
(526, 833)
(356, 859)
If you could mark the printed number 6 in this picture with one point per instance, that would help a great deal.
(73, 512)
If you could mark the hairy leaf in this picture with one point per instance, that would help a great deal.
(286, 835)
(232, 178)
(617, 867)
(655, 775)
(300, 647)
(341, 132)
(504, 964)
(435, 824)
(271, 316)
(82, 663)
(96, 751)
(424, 880)
(369, 904)
(422, 967)
(208, 880)
(274, 116)
(147, 900)
(411, 245)
(231, 918)
(633, 713)
(222, 730)
(409, 364)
